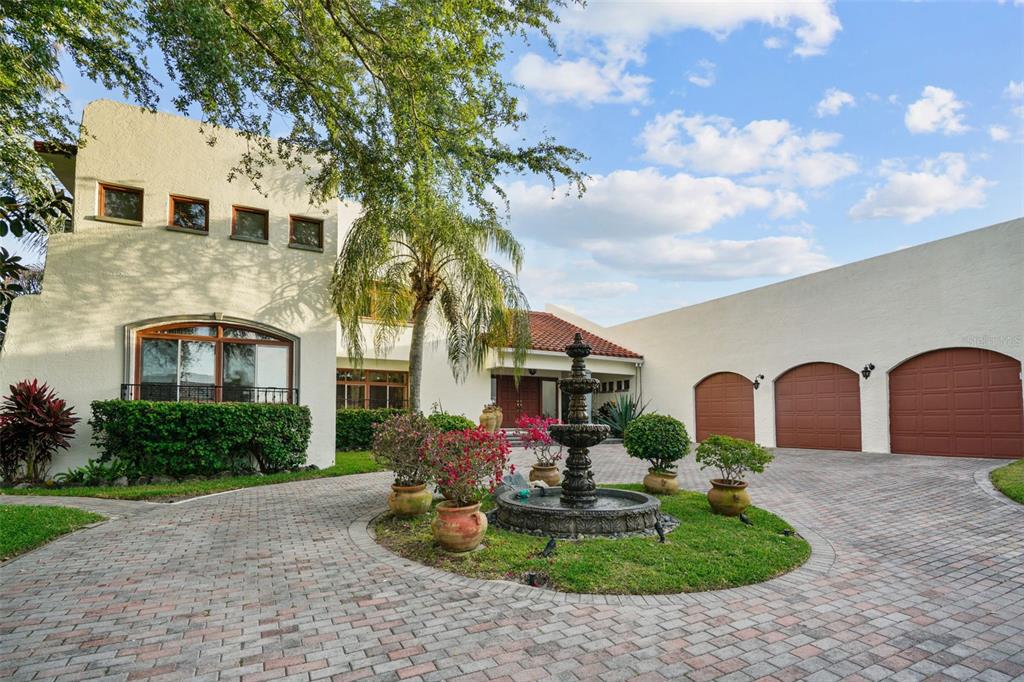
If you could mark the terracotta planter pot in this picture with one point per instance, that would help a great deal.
(409, 500)
(549, 475)
(459, 529)
(728, 498)
(661, 483)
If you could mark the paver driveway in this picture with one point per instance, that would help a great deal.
(927, 581)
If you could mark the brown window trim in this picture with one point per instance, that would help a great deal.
(219, 339)
(235, 210)
(366, 383)
(187, 200)
(291, 233)
(101, 207)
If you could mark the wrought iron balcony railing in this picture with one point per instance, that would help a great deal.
(208, 393)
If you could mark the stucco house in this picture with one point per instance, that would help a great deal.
(175, 284)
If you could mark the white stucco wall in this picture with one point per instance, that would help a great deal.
(966, 290)
(103, 276)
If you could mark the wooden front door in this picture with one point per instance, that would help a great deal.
(526, 399)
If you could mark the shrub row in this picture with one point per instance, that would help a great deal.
(354, 427)
(200, 439)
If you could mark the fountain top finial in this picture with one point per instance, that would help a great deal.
(578, 348)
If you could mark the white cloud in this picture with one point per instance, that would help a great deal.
(774, 43)
(999, 133)
(769, 151)
(583, 80)
(939, 185)
(938, 110)
(812, 22)
(833, 102)
(1014, 90)
(709, 259)
(547, 283)
(802, 228)
(639, 203)
(706, 77)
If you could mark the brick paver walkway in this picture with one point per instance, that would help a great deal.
(926, 581)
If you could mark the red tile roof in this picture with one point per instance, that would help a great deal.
(548, 332)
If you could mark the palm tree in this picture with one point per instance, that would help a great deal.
(396, 263)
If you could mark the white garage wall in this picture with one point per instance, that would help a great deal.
(966, 290)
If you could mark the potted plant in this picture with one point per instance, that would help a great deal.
(397, 442)
(662, 441)
(533, 432)
(733, 457)
(467, 465)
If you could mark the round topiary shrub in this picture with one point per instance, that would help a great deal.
(658, 438)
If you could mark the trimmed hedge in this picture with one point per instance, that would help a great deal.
(442, 421)
(200, 439)
(354, 427)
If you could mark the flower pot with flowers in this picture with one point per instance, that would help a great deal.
(533, 432)
(466, 465)
(397, 443)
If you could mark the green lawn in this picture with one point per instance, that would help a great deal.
(1009, 480)
(705, 552)
(25, 527)
(345, 463)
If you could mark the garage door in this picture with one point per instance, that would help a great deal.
(962, 402)
(725, 405)
(818, 406)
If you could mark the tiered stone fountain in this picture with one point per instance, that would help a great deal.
(579, 508)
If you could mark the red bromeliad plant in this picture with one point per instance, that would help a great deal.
(34, 424)
(467, 465)
(533, 431)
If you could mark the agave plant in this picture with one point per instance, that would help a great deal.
(616, 414)
(34, 424)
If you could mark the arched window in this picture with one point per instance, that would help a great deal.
(211, 362)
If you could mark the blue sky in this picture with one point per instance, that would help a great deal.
(736, 144)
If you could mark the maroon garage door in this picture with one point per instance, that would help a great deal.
(961, 402)
(725, 405)
(818, 406)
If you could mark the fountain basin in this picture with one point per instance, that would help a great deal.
(616, 513)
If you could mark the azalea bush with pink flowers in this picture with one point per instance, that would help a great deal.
(533, 432)
(467, 465)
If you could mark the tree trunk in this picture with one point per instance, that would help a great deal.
(419, 327)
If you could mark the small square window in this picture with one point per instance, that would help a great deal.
(190, 214)
(307, 233)
(122, 203)
(250, 224)
(625, 385)
(618, 385)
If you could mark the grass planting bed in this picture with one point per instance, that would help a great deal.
(25, 527)
(705, 552)
(1009, 480)
(345, 464)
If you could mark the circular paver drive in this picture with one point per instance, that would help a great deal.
(926, 580)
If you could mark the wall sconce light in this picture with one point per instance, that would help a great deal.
(757, 381)
(866, 372)
(532, 371)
